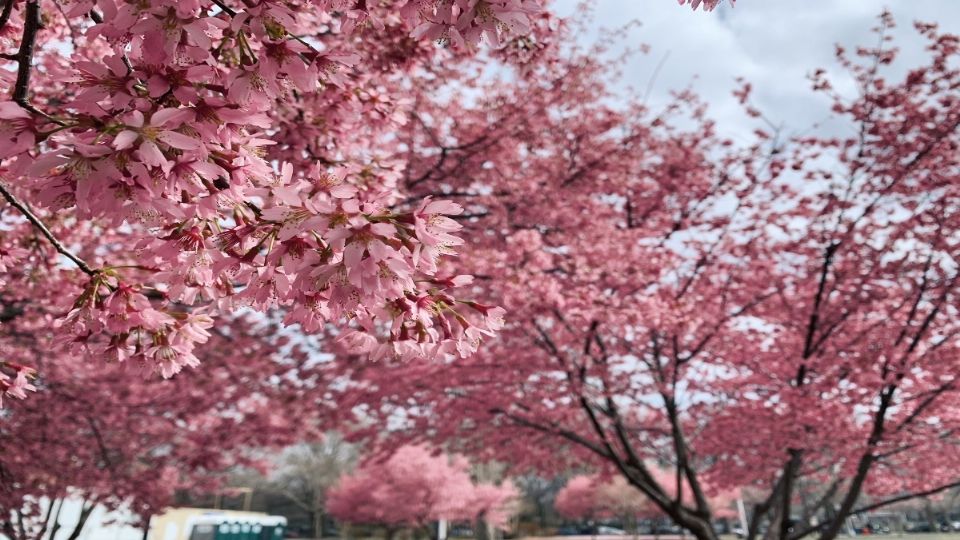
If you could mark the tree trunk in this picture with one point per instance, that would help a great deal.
(146, 527)
(46, 519)
(20, 527)
(56, 522)
(81, 521)
(312, 514)
(930, 516)
(481, 529)
(701, 529)
(863, 467)
(753, 524)
(630, 522)
(8, 529)
(696, 521)
(318, 523)
(389, 533)
(789, 473)
(773, 527)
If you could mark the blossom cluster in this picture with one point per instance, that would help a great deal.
(16, 383)
(180, 127)
(708, 5)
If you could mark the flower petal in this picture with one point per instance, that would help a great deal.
(125, 139)
(179, 140)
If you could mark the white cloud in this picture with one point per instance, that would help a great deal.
(774, 44)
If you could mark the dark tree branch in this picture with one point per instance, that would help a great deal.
(925, 404)
(225, 8)
(39, 225)
(24, 58)
(789, 474)
(880, 504)
(829, 252)
(554, 430)
(31, 25)
(863, 467)
(5, 14)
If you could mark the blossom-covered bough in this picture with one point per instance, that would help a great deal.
(117, 437)
(778, 315)
(186, 159)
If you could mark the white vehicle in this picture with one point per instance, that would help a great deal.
(205, 524)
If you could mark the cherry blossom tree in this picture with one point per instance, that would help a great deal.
(168, 167)
(592, 497)
(708, 5)
(595, 496)
(415, 487)
(303, 474)
(766, 314)
(579, 499)
(116, 435)
(187, 159)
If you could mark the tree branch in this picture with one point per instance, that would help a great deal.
(31, 25)
(39, 225)
(863, 467)
(225, 8)
(880, 504)
(5, 14)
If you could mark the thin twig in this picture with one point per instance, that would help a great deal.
(233, 13)
(225, 8)
(98, 18)
(35, 221)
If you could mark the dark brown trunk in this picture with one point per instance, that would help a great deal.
(753, 527)
(85, 511)
(46, 519)
(20, 528)
(56, 522)
(316, 514)
(696, 522)
(789, 473)
(481, 529)
(702, 530)
(9, 530)
(930, 516)
(863, 467)
(146, 528)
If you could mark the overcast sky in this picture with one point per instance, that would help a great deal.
(775, 44)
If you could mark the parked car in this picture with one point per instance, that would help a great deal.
(610, 531)
(460, 531)
(667, 529)
(917, 527)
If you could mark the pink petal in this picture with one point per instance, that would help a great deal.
(179, 140)
(125, 139)
(10, 110)
(151, 154)
(169, 115)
